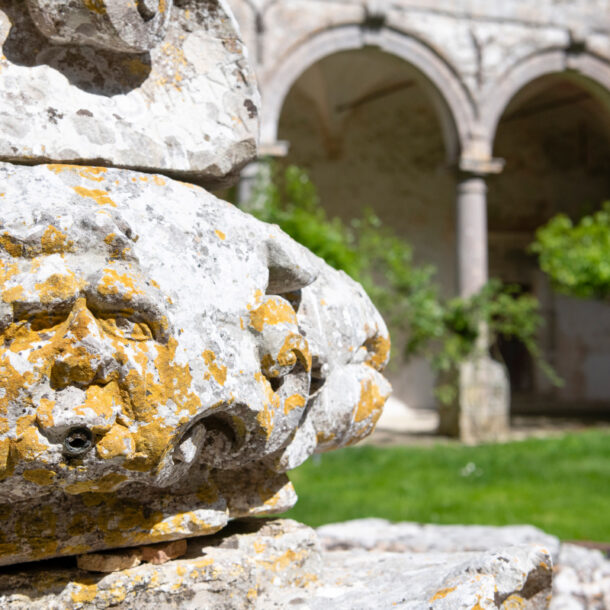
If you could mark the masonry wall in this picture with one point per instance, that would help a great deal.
(385, 102)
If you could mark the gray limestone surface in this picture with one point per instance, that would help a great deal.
(280, 564)
(155, 86)
(381, 535)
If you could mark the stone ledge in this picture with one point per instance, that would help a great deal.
(258, 563)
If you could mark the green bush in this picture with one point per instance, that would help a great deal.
(577, 256)
(446, 331)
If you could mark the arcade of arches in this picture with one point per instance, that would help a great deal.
(404, 124)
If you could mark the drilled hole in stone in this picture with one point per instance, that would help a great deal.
(78, 441)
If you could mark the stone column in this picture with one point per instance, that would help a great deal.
(258, 172)
(480, 411)
(471, 234)
(251, 179)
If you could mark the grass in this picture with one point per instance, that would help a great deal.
(561, 485)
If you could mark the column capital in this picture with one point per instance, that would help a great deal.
(279, 148)
(480, 166)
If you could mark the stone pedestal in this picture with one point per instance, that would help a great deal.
(480, 411)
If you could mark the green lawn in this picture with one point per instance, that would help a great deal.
(561, 485)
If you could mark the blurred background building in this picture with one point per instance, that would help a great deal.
(465, 125)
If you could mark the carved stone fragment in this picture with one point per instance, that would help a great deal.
(141, 84)
(165, 359)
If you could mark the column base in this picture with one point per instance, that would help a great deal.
(481, 410)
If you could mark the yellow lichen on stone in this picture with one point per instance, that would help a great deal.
(272, 311)
(11, 246)
(100, 400)
(271, 405)
(218, 372)
(371, 401)
(442, 593)
(220, 235)
(117, 442)
(54, 241)
(324, 437)
(85, 171)
(5, 445)
(294, 348)
(40, 476)
(84, 594)
(379, 350)
(96, 6)
(284, 560)
(12, 294)
(57, 286)
(513, 602)
(293, 402)
(99, 196)
(109, 482)
(252, 594)
(114, 282)
(28, 447)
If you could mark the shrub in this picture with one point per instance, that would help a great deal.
(446, 331)
(577, 256)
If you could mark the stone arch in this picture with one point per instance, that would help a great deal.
(591, 73)
(452, 103)
(545, 118)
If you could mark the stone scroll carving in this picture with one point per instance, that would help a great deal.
(133, 26)
(165, 359)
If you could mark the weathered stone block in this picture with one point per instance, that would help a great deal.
(279, 564)
(165, 87)
(238, 570)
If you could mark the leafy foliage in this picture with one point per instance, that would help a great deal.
(446, 331)
(577, 256)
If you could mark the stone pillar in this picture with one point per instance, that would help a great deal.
(480, 411)
(250, 181)
(258, 172)
(471, 234)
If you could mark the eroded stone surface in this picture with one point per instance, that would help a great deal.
(158, 349)
(279, 564)
(167, 87)
(506, 578)
(382, 535)
(582, 580)
(132, 27)
(232, 571)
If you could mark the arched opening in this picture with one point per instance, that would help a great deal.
(555, 138)
(364, 125)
